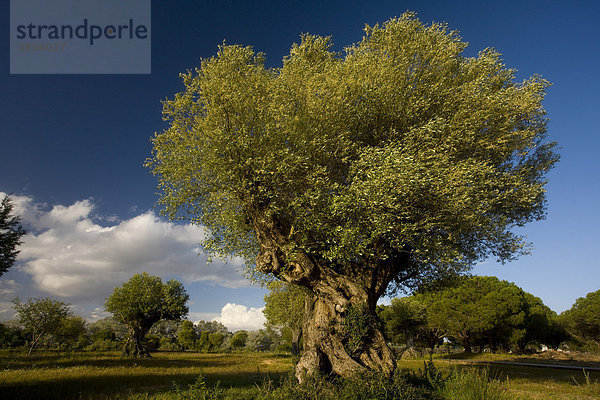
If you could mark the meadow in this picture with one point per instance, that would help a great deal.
(166, 375)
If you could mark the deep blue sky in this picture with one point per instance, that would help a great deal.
(66, 138)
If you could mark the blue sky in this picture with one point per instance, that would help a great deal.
(72, 147)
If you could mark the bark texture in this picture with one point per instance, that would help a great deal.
(134, 346)
(331, 344)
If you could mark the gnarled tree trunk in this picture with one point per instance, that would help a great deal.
(340, 334)
(133, 344)
(333, 345)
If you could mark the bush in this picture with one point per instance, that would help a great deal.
(199, 391)
(473, 384)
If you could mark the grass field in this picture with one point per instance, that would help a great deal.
(107, 375)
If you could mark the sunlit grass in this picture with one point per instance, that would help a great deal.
(99, 375)
(109, 376)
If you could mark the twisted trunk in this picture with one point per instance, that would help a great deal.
(133, 345)
(340, 335)
(341, 338)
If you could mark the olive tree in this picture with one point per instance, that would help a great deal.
(354, 173)
(141, 302)
(41, 317)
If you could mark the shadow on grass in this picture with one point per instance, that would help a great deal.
(105, 386)
(160, 360)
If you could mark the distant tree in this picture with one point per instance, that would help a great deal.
(141, 302)
(107, 329)
(402, 319)
(186, 336)
(11, 232)
(238, 340)
(260, 340)
(584, 317)
(203, 343)
(210, 327)
(216, 340)
(481, 309)
(72, 333)
(284, 309)
(11, 335)
(40, 318)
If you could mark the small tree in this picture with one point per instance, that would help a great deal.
(187, 335)
(238, 341)
(72, 333)
(41, 317)
(203, 343)
(215, 340)
(141, 302)
(284, 309)
(11, 232)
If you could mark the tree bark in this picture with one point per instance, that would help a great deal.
(133, 345)
(329, 348)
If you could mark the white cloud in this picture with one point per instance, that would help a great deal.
(69, 255)
(237, 317)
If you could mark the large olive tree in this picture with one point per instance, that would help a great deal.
(352, 173)
(141, 302)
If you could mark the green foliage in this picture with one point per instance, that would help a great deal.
(402, 319)
(216, 340)
(357, 327)
(187, 335)
(261, 340)
(583, 319)
(41, 317)
(11, 336)
(398, 146)
(144, 300)
(211, 327)
(199, 391)
(284, 310)
(474, 384)
(72, 333)
(238, 341)
(203, 344)
(11, 232)
(481, 311)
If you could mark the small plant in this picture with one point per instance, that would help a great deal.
(473, 384)
(199, 391)
(357, 326)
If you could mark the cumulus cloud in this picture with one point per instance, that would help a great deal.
(68, 254)
(237, 317)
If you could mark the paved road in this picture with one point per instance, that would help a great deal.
(560, 366)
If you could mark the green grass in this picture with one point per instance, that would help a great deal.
(99, 376)
(108, 376)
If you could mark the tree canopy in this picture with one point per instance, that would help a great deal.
(284, 309)
(393, 162)
(141, 302)
(584, 317)
(41, 317)
(11, 232)
(479, 311)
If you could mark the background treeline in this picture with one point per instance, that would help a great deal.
(74, 333)
(486, 314)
